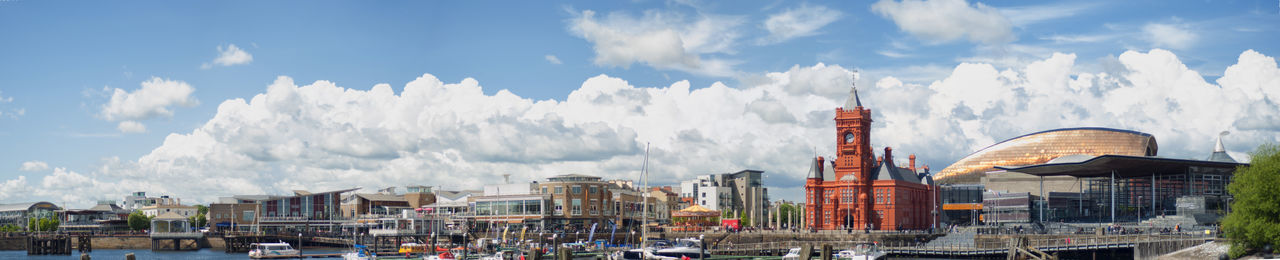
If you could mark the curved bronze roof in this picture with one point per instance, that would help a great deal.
(1040, 147)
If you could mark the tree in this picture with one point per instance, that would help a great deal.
(743, 219)
(198, 220)
(137, 221)
(1254, 218)
(202, 210)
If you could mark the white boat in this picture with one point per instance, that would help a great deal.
(260, 250)
(793, 254)
(862, 251)
(360, 252)
(690, 247)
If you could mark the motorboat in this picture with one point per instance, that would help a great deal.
(502, 255)
(412, 248)
(689, 247)
(446, 255)
(260, 250)
(793, 254)
(359, 252)
(862, 251)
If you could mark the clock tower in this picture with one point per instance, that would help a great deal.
(853, 136)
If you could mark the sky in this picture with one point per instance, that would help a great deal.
(201, 100)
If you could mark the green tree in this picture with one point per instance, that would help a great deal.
(198, 220)
(137, 221)
(743, 219)
(202, 210)
(1254, 220)
(786, 210)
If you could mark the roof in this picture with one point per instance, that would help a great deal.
(454, 195)
(106, 208)
(1122, 165)
(296, 193)
(1041, 147)
(853, 100)
(170, 216)
(827, 172)
(1220, 153)
(815, 169)
(381, 197)
(23, 206)
(888, 171)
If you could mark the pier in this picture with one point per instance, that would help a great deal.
(48, 245)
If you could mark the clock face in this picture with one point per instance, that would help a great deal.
(848, 138)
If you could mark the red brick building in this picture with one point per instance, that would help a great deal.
(857, 190)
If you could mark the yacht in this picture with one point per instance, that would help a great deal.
(862, 251)
(261, 250)
(690, 247)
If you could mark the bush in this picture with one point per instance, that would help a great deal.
(1254, 220)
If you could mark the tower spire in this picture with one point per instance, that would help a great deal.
(853, 99)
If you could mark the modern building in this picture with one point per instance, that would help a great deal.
(418, 196)
(962, 204)
(511, 206)
(741, 193)
(19, 213)
(858, 190)
(373, 205)
(137, 200)
(275, 213)
(1041, 147)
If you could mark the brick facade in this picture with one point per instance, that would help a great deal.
(858, 190)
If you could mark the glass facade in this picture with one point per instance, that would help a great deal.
(1041, 147)
(512, 207)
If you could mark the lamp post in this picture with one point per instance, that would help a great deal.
(1139, 208)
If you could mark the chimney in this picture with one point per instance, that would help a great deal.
(912, 158)
(879, 159)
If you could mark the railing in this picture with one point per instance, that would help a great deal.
(982, 246)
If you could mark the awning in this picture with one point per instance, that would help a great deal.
(1122, 165)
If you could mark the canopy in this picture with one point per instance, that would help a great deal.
(1123, 166)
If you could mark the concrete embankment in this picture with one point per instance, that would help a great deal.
(134, 242)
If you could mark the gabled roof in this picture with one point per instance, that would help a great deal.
(888, 171)
(1220, 153)
(453, 195)
(106, 208)
(828, 174)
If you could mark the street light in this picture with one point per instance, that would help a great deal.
(1139, 208)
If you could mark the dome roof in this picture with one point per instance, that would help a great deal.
(1069, 144)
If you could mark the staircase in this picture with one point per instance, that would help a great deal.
(962, 237)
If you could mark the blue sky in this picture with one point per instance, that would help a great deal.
(944, 78)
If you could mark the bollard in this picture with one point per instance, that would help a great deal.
(129, 256)
(806, 252)
(826, 252)
(84, 256)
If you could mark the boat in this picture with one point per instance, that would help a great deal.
(793, 254)
(502, 255)
(689, 247)
(446, 255)
(862, 251)
(360, 252)
(412, 248)
(261, 250)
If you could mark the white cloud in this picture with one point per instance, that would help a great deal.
(1175, 36)
(940, 21)
(131, 127)
(14, 188)
(795, 23)
(33, 166)
(229, 56)
(552, 59)
(321, 136)
(892, 54)
(662, 40)
(154, 99)
(1027, 15)
(1078, 38)
(13, 113)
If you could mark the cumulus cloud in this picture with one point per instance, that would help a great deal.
(662, 40)
(33, 166)
(154, 99)
(14, 188)
(322, 136)
(552, 59)
(799, 22)
(940, 21)
(1175, 36)
(229, 56)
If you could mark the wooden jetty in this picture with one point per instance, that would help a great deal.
(49, 245)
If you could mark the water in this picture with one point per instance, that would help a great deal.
(113, 254)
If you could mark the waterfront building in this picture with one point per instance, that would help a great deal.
(962, 204)
(105, 216)
(1041, 147)
(740, 193)
(275, 213)
(859, 191)
(510, 206)
(577, 201)
(167, 204)
(20, 213)
(419, 196)
(664, 202)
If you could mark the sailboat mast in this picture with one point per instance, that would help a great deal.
(644, 197)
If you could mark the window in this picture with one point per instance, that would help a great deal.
(544, 190)
(594, 205)
(577, 189)
(247, 215)
(559, 190)
(559, 206)
(577, 206)
(704, 195)
(533, 207)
